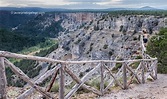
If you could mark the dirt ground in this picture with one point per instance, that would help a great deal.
(150, 90)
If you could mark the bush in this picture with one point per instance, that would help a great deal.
(139, 57)
(135, 65)
(96, 28)
(162, 68)
(135, 38)
(157, 47)
(118, 65)
(55, 87)
(121, 28)
(77, 42)
(110, 53)
(44, 52)
(96, 83)
(105, 46)
(90, 48)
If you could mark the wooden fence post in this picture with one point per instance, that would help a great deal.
(61, 83)
(3, 82)
(102, 78)
(124, 76)
(156, 63)
(52, 80)
(142, 74)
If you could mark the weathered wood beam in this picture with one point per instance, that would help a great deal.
(52, 80)
(155, 68)
(23, 76)
(38, 81)
(124, 76)
(111, 82)
(61, 82)
(29, 57)
(102, 78)
(135, 72)
(114, 77)
(83, 80)
(149, 56)
(142, 74)
(135, 75)
(3, 82)
(77, 80)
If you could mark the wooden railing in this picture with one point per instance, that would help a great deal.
(123, 76)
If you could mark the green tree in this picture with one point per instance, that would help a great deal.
(157, 47)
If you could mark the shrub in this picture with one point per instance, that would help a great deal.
(139, 57)
(118, 65)
(105, 46)
(77, 42)
(55, 87)
(81, 74)
(90, 48)
(96, 83)
(121, 28)
(135, 65)
(135, 38)
(91, 44)
(112, 35)
(134, 81)
(110, 53)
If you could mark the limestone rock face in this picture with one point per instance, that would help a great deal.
(76, 51)
(99, 36)
(100, 55)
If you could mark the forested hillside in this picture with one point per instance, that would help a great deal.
(161, 13)
(39, 25)
(13, 42)
(27, 34)
(9, 20)
(43, 25)
(10, 41)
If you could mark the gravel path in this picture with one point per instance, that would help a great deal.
(151, 90)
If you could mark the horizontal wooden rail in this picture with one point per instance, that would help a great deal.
(37, 58)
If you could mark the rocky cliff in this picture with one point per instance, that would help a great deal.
(100, 36)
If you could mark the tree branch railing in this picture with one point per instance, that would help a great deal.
(123, 77)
